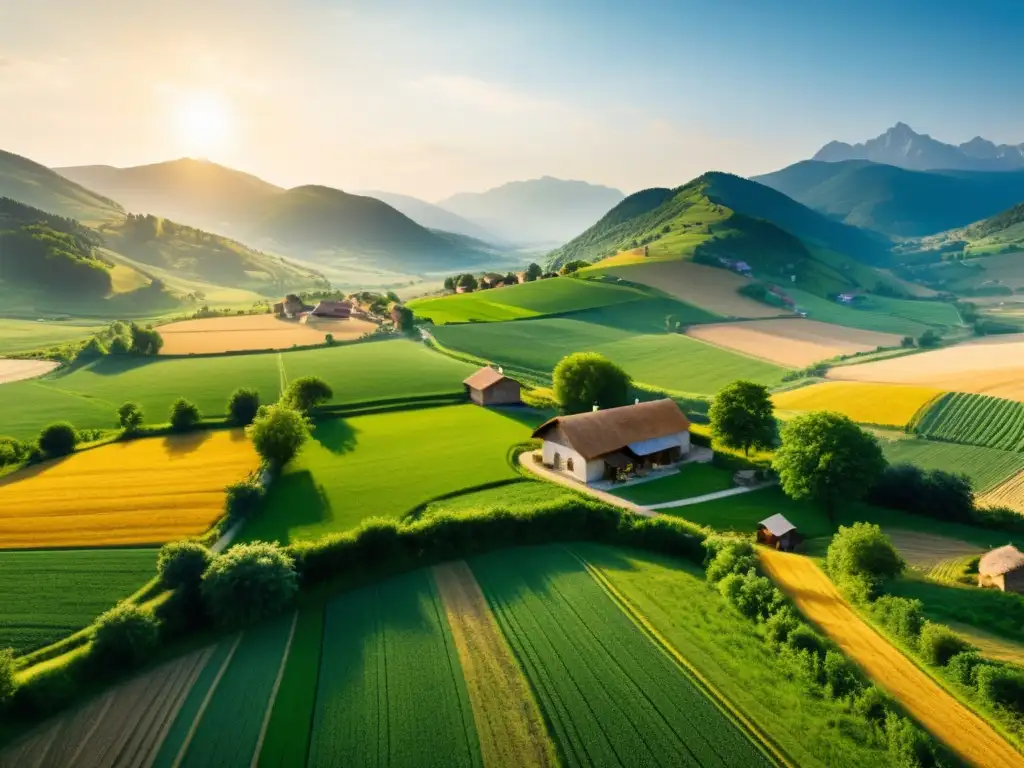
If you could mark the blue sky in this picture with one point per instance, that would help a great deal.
(434, 98)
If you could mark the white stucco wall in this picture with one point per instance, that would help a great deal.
(582, 470)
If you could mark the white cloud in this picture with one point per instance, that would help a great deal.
(489, 97)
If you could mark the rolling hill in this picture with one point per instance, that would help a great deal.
(36, 185)
(545, 210)
(896, 201)
(432, 216)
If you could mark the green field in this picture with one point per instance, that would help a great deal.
(391, 690)
(986, 609)
(982, 420)
(634, 336)
(986, 467)
(691, 480)
(48, 595)
(27, 335)
(385, 465)
(517, 495)
(541, 297)
(88, 397)
(879, 317)
(610, 695)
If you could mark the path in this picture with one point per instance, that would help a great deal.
(708, 497)
(966, 734)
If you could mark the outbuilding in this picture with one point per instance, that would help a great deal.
(492, 387)
(1002, 568)
(334, 310)
(615, 443)
(777, 532)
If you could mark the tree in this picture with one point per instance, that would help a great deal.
(329, 339)
(467, 282)
(184, 415)
(928, 339)
(182, 563)
(573, 266)
(243, 405)
(449, 283)
(129, 417)
(58, 439)
(124, 636)
(249, 582)
(306, 393)
(92, 350)
(742, 416)
(12, 451)
(533, 272)
(243, 498)
(825, 457)
(145, 341)
(860, 558)
(586, 379)
(277, 433)
(403, 317)
(118, 346)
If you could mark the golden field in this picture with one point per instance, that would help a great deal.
(237, 333)
(140, 492)
(1008, 494)
(886, 405)
(17, 370)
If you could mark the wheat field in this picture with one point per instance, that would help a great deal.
(887, 405)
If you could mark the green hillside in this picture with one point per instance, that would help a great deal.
(38, 186)
(1002, 233)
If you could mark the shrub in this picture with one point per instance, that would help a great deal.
(118, 346)
(585, 379)
(125, 636)
(863, 557)
(909, 746)
(145, 341)
(754, 596)
(91, 350)
(182, 563)
(727, 555)
(803, 638)
(938, 644)
(779, 626)
(872, 704)
(7, 676)
(306, 393)
(329, 339)
(930, 493)
(902, 616)
(277, 433)
(840, 676)
(12, 451)
(243, 498)
(58, 439)
(129, 417)
(963, 667)
(243, 406)
(249, 582)
(50, 688)
(184, 415)
(1002, 686)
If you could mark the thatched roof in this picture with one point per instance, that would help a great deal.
(596, 433)
(1001, 560)
(777, 525)
(485, 378)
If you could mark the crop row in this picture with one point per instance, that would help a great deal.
(976, 420)
(986, 467)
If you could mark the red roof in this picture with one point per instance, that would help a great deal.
(485, 378)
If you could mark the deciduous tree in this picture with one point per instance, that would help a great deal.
(586, 379)
(742, 416)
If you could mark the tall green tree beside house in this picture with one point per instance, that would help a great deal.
(587, 379)
(743, 417)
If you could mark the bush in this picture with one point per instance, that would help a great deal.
(909, 746)
(930, 493)
(306, 393)
(125, 636)
(872, 704)
(277, 433)
(840, 676)
(1002, 686)
(184, 415)
(901, 616)
(145, 341)
(58, 440)
(780, 626)
(249, 582)
(727, 555)
(754, 596)
(182, 563)
(586, 379)
(243, 406)
(7, 676)
(129, 417)
(938, 644)
(12, 451)
(243, 499)
(862, 557)
(963, 667)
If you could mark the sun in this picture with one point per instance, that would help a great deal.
(203, 123)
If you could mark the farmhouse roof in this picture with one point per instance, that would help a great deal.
(777, 525)
(596, 433)
(327, 307)
(1001, 560)
(485, 378)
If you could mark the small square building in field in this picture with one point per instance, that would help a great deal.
(777, 532)
(616, 443)
(1002, 568)
(492, 387)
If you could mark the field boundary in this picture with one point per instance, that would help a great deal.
(762, 741)
(419, 509)
(273, 692)
(187, 741)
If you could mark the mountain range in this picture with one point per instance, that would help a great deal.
(36, 185)
(903, 147)
(433, 216)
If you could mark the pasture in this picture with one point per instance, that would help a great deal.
(993, 365)
(139, 492)
(976, 420)
(28, 335)
(691, 480)
(51, 594)
(794, 342)
(385, 465)
(883, 405)
(986, 467)
(88, 397)
(254, 332)
(18, 370)
(868, 319)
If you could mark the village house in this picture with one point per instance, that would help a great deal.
(331, 310)
(778, 533)
(617, 442)
(1002, 568)
(492, 387)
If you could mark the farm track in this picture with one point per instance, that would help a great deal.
(966, 734)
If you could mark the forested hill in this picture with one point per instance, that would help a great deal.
(29, 182)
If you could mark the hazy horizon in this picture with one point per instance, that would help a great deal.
(430, 100)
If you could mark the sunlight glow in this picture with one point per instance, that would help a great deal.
(203, 123)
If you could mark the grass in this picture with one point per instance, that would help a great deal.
(49, 595)
(881, 404)
(982, 420)
(610, 695)
(939, 313)
(384, 465)
(868, 319)
(28, 335)
(514, 496)
(989, 610)
(731, 654)
(391, 691)
(541, 297)
(89, 396)
(691, 480)
(146, 491)
(636, 340)
(986, 467)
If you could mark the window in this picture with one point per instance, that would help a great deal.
(568, 464)
(557, 460)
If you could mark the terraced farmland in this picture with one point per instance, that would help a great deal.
(986, 467)
(885, 405)
(140, 492)
(975, 420)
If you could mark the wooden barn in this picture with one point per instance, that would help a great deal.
(334, 310)
(777, 532)
(492, 387)
(1002, 568)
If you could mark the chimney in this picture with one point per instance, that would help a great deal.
(636, 401)
(501, 370)
(595, 407)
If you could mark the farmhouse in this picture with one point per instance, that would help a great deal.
(1002, 568)
(777, 532)
(615, 442)
(492, 387)
(335, 310)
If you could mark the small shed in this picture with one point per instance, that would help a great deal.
(1002, 568)
(492, 387)
(776, 531)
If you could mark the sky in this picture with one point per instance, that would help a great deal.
(432, 98)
